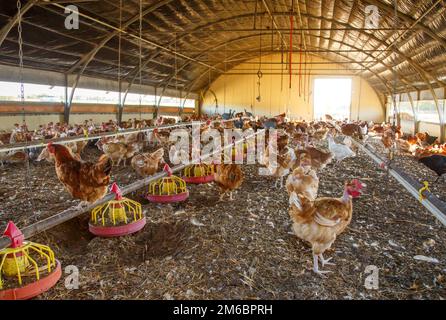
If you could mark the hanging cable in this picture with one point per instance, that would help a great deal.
(259, 72)
(209, 87)
(302, 45)
(120, 106)
(224, 82)
(255, 14)
(140, 64)
(281, 66)
(271, 88)
(253, 95)
(304, 79)
(395, 26)
(300, 65)
(290, 59)
(22, 85)
(309, 80)
(22, 101)
(272, 36)
(176, 67)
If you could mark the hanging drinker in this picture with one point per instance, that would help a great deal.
(27, 269)
(199, 173)
(168, 189)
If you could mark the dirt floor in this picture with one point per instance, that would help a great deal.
(244, 249)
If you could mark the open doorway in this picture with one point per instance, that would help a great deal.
(332, 96)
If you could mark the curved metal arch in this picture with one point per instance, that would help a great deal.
(89, 57)
(424, 75)
(256, 35)
(376, 74)
(8, 27)
(204, 26)
(396, 51)
(344, 56)
(250, 15)
(217, 22)
(389, 9)
(415, 115)
(383, 43)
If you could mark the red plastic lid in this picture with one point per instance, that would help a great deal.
(14, 233)
(167, 169)
(115, 189)
(117, 231)
(33, 289)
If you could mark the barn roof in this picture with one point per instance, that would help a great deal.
(186, 44)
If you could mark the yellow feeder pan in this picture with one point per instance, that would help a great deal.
(168, 189)
(118, 217)
(199, 173)
(23, 260)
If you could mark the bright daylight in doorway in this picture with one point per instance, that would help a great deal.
(332, 96)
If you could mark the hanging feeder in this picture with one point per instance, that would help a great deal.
(246, 148)
(168, 189)
(245, 151)
(118, 217)
(27, 269)
(199, 173)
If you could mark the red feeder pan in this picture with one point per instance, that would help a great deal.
(168, 198)
(117, 231)
(199, 180)
(33, 289)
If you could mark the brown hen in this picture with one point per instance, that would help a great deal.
(85, 181)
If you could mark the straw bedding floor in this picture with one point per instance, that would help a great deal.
(242, 249)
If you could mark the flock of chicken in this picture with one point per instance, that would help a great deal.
(423, 147)
(51, 130)
(299, 156)
(303, 149)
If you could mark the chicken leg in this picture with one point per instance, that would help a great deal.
(316, 266)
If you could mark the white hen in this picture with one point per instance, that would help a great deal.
(340, 151)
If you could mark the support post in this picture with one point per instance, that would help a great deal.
(67, 103)
(415, 116)
(443, 126)
(120, 106)
(398, 117)
(199, 105)
(417, 128)
(157, 104)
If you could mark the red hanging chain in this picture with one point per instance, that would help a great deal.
(291, 46)
(300, 65)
